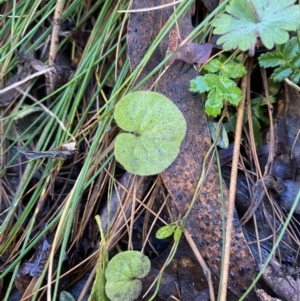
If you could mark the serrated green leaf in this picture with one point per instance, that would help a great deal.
(233, 70)
(245, 21)
(261, 101)
(281, 73)
(157, 128)
(123, 274)
(295, 61)
(291, 48)
(214, 103)
(260, 112)
(232, 40)
(198, 85)
(233, 95)
(213, 66)
(276, 35)
(211, 80)
(177, 234)
(225, 83)
(165, 231)
(223, 58)
(279, 48)
(257, 101)
(271, 59)
(295, 77)
(286, 56)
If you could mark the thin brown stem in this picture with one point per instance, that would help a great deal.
(271, 156)
(232, 190)
(55, 31)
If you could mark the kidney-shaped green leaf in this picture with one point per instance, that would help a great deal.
(123, 274)
(155, 129)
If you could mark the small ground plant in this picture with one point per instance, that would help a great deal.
(245, 21)
(286, 59)
(246, 25)
(219, 83)
(123, 274)
(267, 22)
(155, 129)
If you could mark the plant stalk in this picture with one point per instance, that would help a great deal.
(232, 190)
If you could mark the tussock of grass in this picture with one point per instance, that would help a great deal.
(57, 199)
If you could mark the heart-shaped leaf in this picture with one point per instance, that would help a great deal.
(249, 19)
(156, 128)
(123, 274)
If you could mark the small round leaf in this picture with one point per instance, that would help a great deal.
(123, 274)
(156, 128)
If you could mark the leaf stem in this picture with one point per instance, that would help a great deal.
(232, 190)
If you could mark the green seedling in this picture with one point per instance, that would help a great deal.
(155, 129)
(98, 289)
(165, 231)
(219, 84)
(123, 274)
(287, 60)
(174, 229)
(246, 21)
